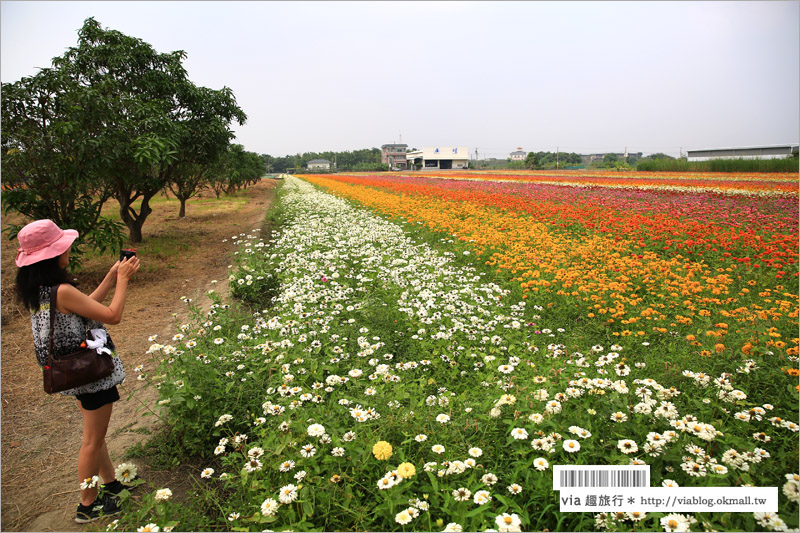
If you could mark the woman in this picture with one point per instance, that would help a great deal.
(42, 259)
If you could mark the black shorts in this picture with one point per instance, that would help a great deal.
(96, 400)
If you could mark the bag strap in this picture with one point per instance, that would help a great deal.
(53, 293)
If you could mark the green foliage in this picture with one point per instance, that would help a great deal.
(364, 160)
(53, 166)
(658, 155)
(111, 117)
(789, 164)
(156, 506)
(235, 168)
(551, 160)
(255, 285)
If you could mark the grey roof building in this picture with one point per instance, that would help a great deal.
(775, 151)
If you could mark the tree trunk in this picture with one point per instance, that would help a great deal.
(134, 221)
(182, 212)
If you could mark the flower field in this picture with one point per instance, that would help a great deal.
(423, 350)
(748, 184)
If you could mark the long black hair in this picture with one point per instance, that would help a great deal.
(45, 273)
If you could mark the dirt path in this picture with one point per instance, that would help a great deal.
(41, 434)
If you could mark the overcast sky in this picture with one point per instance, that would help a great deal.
(581, 76)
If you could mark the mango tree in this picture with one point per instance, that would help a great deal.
(204, 138)
(235, 168)
(150, 112)
(54, 161)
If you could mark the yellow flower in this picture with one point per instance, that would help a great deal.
(406, 470)
(382, 450)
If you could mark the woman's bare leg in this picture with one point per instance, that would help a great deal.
(93, 453)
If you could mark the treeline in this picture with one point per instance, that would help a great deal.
(721, 165)
(114, 119)
(546, 161)
(364, 160)
(658, 162)
(549, 160)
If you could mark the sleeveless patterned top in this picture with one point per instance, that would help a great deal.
(68, 332)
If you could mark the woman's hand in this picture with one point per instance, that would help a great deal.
(112, 273)
(127, 268)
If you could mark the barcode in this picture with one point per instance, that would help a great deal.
(600, 476)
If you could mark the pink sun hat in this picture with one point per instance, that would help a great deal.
(41, 240)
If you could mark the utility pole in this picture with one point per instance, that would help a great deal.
(556, 157)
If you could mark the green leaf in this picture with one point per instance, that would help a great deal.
(308, 509)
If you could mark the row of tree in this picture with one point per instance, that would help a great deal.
(551, 160)
(364, 160)
(113, 118)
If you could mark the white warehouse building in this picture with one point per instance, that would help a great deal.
(441, 157)
(778, 151)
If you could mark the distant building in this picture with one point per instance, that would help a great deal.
(394, 155)
(319, 164)
(519, 155)
(440, 157)
(777, 151)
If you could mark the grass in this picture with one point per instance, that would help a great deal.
(171, 237)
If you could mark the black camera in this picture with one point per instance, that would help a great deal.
(126, 254)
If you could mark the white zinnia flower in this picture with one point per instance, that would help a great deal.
(269, 507)
(475, 452)
(519, 433)
(540, 463)
(627, 446)
(481, 497)
(125, 472)
(508, 522)
(288, 493)
(316, 430)
(403, 517)
(462, 494)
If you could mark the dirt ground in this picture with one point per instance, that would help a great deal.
(41, 434)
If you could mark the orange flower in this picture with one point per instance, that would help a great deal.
(719, 348)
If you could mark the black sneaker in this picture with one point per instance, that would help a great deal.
(116, 486)
(105, 506)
